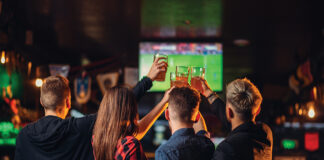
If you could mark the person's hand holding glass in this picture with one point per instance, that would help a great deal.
(197, 73)
(180, 77)
(158, 68)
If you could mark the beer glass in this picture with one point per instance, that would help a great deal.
(196, 74)
(175, 81)
(161, 76)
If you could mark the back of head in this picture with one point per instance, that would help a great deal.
(245, 97)
(116, 119)
(54, 92)
(184, 103)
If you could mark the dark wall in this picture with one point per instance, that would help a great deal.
(281, 33)
(64, 30)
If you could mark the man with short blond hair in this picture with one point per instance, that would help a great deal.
(248, 139)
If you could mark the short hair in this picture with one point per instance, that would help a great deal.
(54, 91)
(184, 102)
(244, 97)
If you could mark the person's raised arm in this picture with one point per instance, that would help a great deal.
(217, 104)
(201, 126)
(148, 120)
(146, 83)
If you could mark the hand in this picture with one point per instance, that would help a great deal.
(206, 89)
(166, 96)
(156, 68)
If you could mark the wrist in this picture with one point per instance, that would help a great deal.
(150, 77)
(212, 97)
(163, 101)
(208, 93)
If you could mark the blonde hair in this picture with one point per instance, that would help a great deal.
(244, 97)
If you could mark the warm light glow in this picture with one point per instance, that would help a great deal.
(3, 57)
(311, 113)
(300, 112)
(39, 82)
(315, 93)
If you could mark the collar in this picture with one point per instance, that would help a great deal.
(243, 128)
(183, 132)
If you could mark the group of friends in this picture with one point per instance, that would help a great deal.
(115, 131)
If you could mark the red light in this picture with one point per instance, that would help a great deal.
(311, 141)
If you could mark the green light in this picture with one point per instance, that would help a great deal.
(289, 144)
(15, 79)
(8, 134)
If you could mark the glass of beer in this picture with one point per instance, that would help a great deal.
(161, 76)
(182, 73)
(175, 81)
(196, 74)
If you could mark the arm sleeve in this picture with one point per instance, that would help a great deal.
(86, 123)
(218, 108)
(142, 87)
(159, 156)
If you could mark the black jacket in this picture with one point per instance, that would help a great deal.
(54, 138)
(246, 142)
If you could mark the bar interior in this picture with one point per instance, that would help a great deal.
(151, 46)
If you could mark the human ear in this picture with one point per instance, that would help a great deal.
(68, 104)
(197, 118)
(166, 114)
(230, 113)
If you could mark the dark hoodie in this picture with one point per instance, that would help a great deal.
(54, 138)
(246, 142)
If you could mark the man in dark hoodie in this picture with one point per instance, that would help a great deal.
(248, 139)
(54, 137)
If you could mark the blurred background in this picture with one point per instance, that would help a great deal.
(101, 43)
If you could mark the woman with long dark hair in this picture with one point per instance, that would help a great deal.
(115, 130)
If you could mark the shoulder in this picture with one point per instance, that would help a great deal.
(268, 131)
(130, 142)
(21, 133)
(161, 148)
(224, 151)
(129, 139)
(163, 152)
(165, 149)
(84, 123)
(130, 148)
(29, 128)
(266, 128)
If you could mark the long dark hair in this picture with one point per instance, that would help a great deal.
(116, 119)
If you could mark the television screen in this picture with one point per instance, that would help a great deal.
(181, 19)
(208, 55)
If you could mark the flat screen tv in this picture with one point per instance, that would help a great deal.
(208, 55)
(181, 19)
